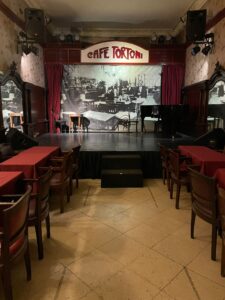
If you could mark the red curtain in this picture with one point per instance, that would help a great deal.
(54, 81)
(172, 83)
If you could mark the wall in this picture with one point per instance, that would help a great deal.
(200, 67)
(30, 67)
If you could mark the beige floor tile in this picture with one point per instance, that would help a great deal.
(122, 222)
(98, 211)
(98, 235)
(179, 249)
(43, 285)
(71, 287)
(95, 268)
(91, 296)
(81, 223)
(191, 286)
(206, 267)
(202, 231)
(146, 235)
(156, 268)
(126, 285)
(143, 211)
(182, 215)
(123, 249)
(166, 224)
(68, 250)
(163, 296)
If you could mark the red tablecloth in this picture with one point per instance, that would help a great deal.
(8, 181)
(29, 160)
(220, 177)
(209, 160)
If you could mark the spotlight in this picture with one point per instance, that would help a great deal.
(206, 50)
(26, 50)
(34, 49)
(195, 50)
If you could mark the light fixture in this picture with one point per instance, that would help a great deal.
(207, 43)
(195, 50)
(26, 44)
(206, 50)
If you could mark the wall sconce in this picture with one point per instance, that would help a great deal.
(207, 43)
(26, 44)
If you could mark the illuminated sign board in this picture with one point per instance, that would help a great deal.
(115, 52)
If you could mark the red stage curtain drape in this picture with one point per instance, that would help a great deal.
(54, 80)
(172, 83)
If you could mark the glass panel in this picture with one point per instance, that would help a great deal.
(12, 106)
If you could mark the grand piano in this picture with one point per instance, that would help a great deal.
(170, 116)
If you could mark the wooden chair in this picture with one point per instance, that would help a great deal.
(177, 166)
(13, 238)
(39, 207)
(204, 204)
(164, 155)
(75, 170)
(61, 179)
(221, 210)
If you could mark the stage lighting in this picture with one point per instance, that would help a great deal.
(206, 50)
(195, 50)
(25, 49)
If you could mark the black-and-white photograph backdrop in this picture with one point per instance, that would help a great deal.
(106, 96)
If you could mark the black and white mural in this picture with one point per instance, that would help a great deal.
(107, 94)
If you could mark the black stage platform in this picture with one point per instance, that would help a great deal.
(94, 145)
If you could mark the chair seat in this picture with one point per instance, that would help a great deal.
(14, 247)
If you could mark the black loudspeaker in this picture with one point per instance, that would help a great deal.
(35, 24)
(196, 25)
(19, 140)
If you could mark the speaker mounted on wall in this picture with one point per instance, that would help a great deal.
(196, 25)
(35, 24)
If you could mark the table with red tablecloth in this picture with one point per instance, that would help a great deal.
(8, 181)
(209, 160)
(29, 160)
(220, 177)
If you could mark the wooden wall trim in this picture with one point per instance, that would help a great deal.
(216, 19)
(11, 15)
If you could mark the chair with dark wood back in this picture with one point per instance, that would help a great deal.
(13, 238)
(39, 207)
(204, 204)
(178, 171)
(61, 179)
(164, 155)
(75, 171)
(221, 211)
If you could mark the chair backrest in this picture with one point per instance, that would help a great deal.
(76, 154)
(221, 206)
(174, 162)
(14, 220)
(204, 195)
(44, 185)
(164, 154)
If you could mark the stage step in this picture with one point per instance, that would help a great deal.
(122, 178)
(121, 161)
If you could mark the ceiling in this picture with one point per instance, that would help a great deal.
(117, 18)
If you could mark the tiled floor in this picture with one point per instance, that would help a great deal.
(122, 244)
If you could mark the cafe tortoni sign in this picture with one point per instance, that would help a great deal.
(115, 52)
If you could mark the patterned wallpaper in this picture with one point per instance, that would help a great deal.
(30, 67)
(201, 67)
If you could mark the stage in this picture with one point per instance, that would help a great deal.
(94, 145)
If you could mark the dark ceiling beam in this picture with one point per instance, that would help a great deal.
(11, 15)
